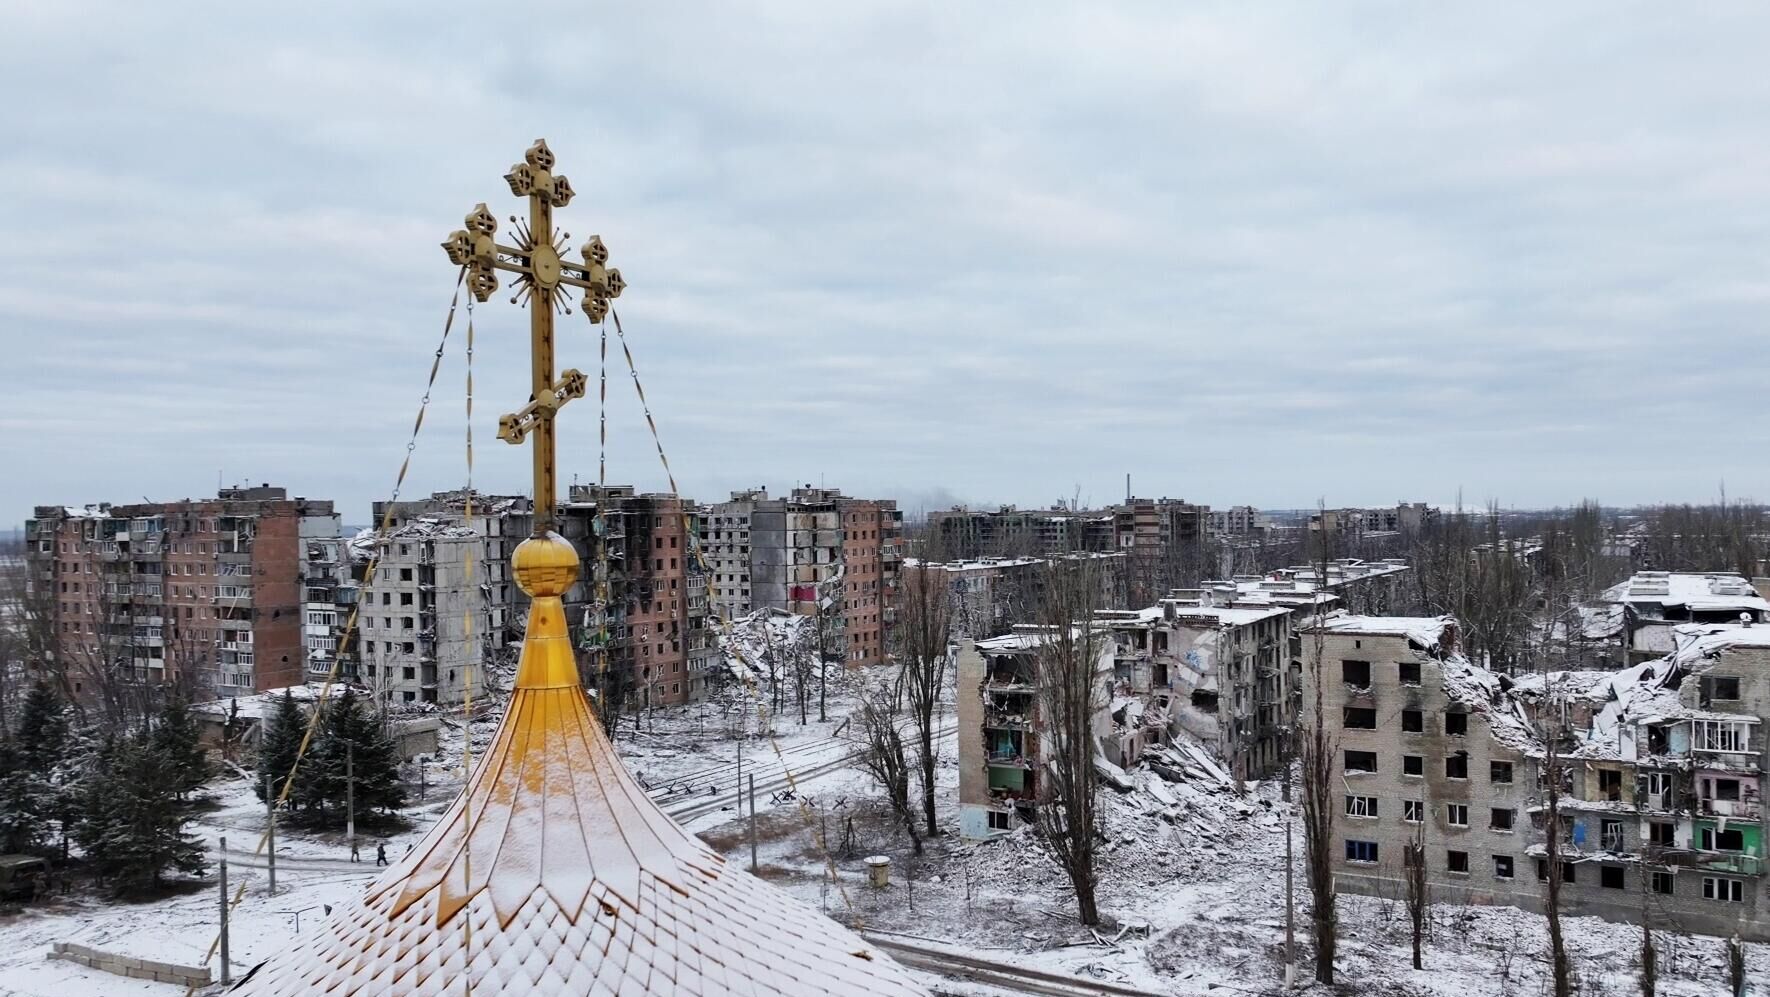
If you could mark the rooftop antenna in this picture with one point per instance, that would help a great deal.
(1127, 488)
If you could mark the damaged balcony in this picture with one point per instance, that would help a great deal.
(1007, 748)
(1010, 672)
(1012, 783)
(1009, 711)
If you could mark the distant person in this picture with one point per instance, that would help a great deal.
(381, 853)
(354, 856)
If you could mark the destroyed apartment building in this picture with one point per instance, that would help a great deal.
(1660, 812)
(1221, 674)
(1648, 606)
(815, 550)
(1002, 749)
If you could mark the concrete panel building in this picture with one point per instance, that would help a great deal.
(1661, 808)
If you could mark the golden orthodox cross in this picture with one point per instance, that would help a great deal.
(543, 276)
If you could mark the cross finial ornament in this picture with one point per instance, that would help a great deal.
(545, 277)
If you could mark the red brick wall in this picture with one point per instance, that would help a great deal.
(276, 599)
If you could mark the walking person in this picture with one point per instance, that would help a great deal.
(381, 853)
(354, 857)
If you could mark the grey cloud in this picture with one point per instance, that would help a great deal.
(1254, 254)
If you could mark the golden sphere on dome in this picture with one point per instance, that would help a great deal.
(545, 566)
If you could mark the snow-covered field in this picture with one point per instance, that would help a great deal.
(1192, 890)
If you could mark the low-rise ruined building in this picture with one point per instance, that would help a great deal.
(1660, 811)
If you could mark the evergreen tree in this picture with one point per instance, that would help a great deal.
(175, 735)
(41, 751)
(21, 823)
(279, 742)
(350, 739)
(132, 829)
(42, 732)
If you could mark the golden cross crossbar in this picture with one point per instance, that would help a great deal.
(515, 428)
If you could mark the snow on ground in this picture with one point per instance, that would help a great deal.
(1201, 868)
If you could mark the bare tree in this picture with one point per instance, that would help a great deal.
(1554, 773)
(924, 634)
(1071, 697)
(1317, 774)
(1418, 894)
(882, 751)
(1649, 957)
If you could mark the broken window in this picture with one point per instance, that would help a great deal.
(998, 820)
(1457, 766)
(1610, 835)
(1356, 673)
(1611, 877)
(1361, 806)
(1661, 832)
(1726, 790)
(1456, 814)
(1360, 761)
(1500, 819)
(1724, 688)
(1413, 811)
(1360, 718)
(1499, 771)
(1710, 839)
(1456, 724)
(1721, 735)
(1361, 851)
(1413, 722)
(1502, 867)
(1662, 882)
(1730, 891)
(1610, 785)
(1658, 739)
(1409, 672)
(1413, 764)
(1457, 861)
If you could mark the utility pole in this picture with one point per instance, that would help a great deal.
(226, 977)
(1290, 912)
(350, 796)
(270, 832)
(752, 824)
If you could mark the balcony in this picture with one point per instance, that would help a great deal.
(1738, 863)
(1749, 808)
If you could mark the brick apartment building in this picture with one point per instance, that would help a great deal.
(206, 592)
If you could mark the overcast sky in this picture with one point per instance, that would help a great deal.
(994, 252)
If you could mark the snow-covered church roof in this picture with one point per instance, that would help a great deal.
(554, 873)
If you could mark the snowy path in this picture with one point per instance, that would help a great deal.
(935, 957)
(771, 775)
